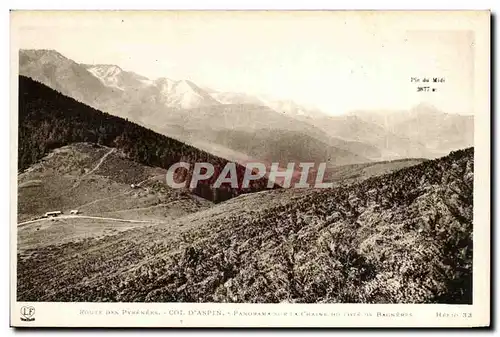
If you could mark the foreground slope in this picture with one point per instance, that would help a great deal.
(405, 237)
(348, 174)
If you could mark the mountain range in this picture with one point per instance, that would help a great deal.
(220, 122)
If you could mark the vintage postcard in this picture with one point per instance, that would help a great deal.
(250, 169)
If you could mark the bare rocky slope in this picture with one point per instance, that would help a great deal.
(404, 237)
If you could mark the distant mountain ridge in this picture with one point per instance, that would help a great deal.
(68, 77)
(181, 109)
(438, 131)
(188, 112)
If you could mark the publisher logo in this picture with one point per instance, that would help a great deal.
(27, 313)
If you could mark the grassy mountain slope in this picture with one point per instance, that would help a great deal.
(404, 237)
(96, 180)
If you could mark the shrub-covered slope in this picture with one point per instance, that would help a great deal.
(405, 237)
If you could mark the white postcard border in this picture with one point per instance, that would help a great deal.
(297, 315)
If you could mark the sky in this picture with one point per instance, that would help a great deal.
(337, 62)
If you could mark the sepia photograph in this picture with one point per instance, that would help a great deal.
(246, 165)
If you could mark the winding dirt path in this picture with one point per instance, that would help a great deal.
(101, 161)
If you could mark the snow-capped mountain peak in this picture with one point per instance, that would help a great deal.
(165, 85)
(186, 95)
(182, 94)
(108, 74)
(185, 86)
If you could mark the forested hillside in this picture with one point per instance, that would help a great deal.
(49, 120)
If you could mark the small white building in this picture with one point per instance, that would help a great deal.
(52, 214)
(74, 212)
